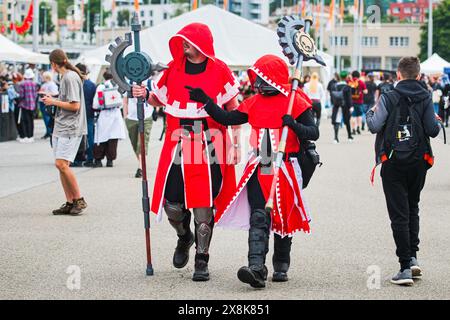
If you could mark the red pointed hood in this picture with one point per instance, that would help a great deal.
(197, 34)
(273, 70)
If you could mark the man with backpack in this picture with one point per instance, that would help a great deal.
(404, 121)
(358, 89)
(341, 98)
(386, 85)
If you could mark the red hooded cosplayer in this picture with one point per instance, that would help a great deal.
(266, 113)
(193, 171)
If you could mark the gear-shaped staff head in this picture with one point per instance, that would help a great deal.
(135, 67)
(295, 41)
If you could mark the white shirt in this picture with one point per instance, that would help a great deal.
(318, 95)
(132, 109)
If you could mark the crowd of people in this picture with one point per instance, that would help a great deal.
(200, 97)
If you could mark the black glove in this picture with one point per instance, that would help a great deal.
(197, 94)
(288, 121)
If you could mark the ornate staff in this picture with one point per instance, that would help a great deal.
(136, 66)
(298, 46)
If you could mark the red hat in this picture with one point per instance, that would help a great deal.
(273, 70)
(198, 35)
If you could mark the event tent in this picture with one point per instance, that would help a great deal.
(434, 65)
(237, 41)
(12, 52)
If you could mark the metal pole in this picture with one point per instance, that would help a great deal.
(430, 28)
(360, 17)
(101, 23)
(322, 4)
(45, 24)
(35, 25)
(88, 21)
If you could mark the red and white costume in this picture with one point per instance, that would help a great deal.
(219, 83)
(290, 213)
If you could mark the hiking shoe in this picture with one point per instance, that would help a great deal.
(201, 272)
(415, 268)
(403, 278)
(98, 164)
(181, 255)
(255, 276)
(64, 209)
(138, 173)
(78, 206)
(88, 163)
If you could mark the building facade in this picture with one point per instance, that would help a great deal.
(381, 47)
(253, 10)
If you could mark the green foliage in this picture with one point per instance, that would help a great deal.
(45, 19)
(441, 32)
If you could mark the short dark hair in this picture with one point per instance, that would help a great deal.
(356, 74)
(82, 67)
(409, 67)
(107, 75)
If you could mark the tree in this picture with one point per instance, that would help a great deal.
(123, 17)
(46, 25)
(441, 32)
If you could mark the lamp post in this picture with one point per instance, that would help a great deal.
(430, 28)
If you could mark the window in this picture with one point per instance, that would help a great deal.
(151, 23)
(392, 62)
(165, 16)
(341, 41)
(142, 13)
(371, 62)
(151, 13)
(143, 23)
(369, 41)
(399, 41)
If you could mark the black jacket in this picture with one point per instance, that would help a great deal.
(417, 92)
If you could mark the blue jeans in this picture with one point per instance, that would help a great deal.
(90, 139)
(46, 117)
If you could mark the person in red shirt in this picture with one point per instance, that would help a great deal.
(195, 170)
(359, 89)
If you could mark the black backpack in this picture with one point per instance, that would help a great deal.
(337, 95)
(404, 136)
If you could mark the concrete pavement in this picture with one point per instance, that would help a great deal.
(349, 255)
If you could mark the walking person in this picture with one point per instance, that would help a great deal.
(89, 89)
(315, 91)
(245, 209)
(182, 173)
(369, 98)
(341, 98)
(109, 128)
(17, 79)
(27, 105)
(132, 123)
(358, 89)
(404, 120)
(69, 128)
(49, 87)
(385, 86)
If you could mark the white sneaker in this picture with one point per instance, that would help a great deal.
(23, 140)
(335, 141)
(31, 140)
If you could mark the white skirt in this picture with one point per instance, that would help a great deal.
(110, 125)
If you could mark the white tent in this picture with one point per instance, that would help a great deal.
(12, 52)
(434, 65)
(237, 41)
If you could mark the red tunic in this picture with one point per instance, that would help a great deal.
(290, 213)
(219, 83)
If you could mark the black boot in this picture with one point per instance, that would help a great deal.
(201, 272)
(255, 276)
(281, 258)
(180, 220)
(204, 224)
(258, 245)
(336, 133)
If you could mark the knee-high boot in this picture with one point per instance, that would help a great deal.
(204, 224)
(180, 219)
(281, 258)
(258, 246)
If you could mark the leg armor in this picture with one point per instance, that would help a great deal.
(204, 223)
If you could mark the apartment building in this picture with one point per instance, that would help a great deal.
(253, 10)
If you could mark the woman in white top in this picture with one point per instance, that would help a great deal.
(315, 91)
(109, 127)
(49, 87)
(132, 123)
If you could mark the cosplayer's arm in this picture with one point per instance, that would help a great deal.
(233, 117)
(227, 118)
(142, 92)
(304, 126)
